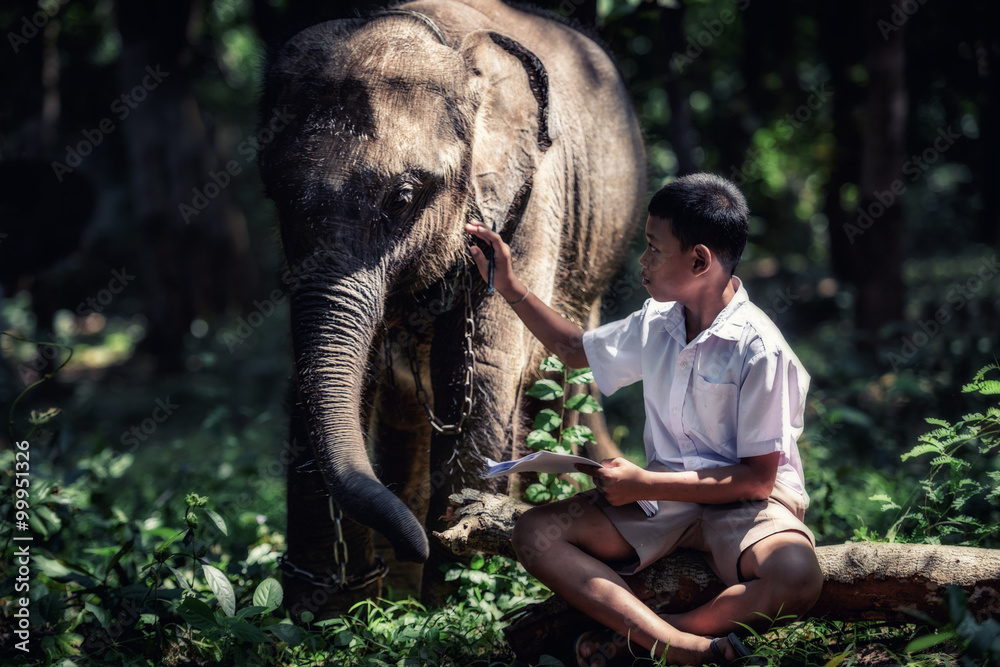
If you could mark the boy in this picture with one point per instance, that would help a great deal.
(724, 398)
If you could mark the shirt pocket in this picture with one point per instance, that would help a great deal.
(712, 414)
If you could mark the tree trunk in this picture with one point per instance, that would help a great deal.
(864, 581)
(878, 243)
(841, 49)
(680, 128)
(194, 264)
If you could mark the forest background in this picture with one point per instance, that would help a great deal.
(134, 230)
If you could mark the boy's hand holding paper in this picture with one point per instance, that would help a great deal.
(606, 474)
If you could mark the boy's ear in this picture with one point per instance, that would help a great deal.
(703, 259)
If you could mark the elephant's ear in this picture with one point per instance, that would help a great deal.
(510, 129)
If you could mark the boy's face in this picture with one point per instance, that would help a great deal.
(666, 269)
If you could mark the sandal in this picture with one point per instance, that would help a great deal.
(613, 650)
(743, 654)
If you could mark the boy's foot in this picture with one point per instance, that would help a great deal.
(742, 657)
(596, 648)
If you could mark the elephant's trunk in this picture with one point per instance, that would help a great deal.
(333, 327)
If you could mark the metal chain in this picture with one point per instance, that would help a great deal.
(470, 370)
(340, 546)
(288, 568)
(339, 581)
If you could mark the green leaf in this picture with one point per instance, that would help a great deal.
(181, 579)
(923, 643)
(580, 376)
(248, 633)
(268, 594)
(584, 403)
(985, 387)
(477, 562)
(920, 450)
(578, 435)
(552, 364)
(62, 645)
(51, 607)
(539, 439)
(197, 614)
(537, 493)
(289, 633)
(246, 612)
(219, 522)
(546, 390)
(223, 590)
(49, 567)
(838, 659)
(547, 420)
(102, 615)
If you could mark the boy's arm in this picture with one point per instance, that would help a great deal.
(623, 482)
(553, 330)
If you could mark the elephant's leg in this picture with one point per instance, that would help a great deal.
(500, 346)
(401, 437)
(314, 541)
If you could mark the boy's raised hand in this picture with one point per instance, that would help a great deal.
(504, 280)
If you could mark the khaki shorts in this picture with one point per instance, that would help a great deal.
(723, 532)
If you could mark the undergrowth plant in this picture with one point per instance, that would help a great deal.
(957, 500)
(549, 433)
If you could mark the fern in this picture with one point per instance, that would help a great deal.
(956, 502)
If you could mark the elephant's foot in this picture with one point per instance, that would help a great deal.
(311, 573)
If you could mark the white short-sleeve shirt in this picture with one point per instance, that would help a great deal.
(736, 390)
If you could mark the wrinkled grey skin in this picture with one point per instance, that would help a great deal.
(397, 139)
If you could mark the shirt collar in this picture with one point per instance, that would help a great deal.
(725, 325)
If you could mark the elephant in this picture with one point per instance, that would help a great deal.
(408, 372)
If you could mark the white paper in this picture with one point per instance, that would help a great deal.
(553, 463)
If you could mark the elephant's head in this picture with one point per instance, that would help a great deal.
(396, 138)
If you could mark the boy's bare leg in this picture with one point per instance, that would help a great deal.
(567, 546)
(784, 579)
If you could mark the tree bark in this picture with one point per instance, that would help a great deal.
(865, 581)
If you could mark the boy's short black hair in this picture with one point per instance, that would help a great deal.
(706, 209)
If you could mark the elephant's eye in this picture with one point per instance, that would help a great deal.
(399, 199)
(409, 190)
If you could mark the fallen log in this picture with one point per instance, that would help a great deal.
(865, 581)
